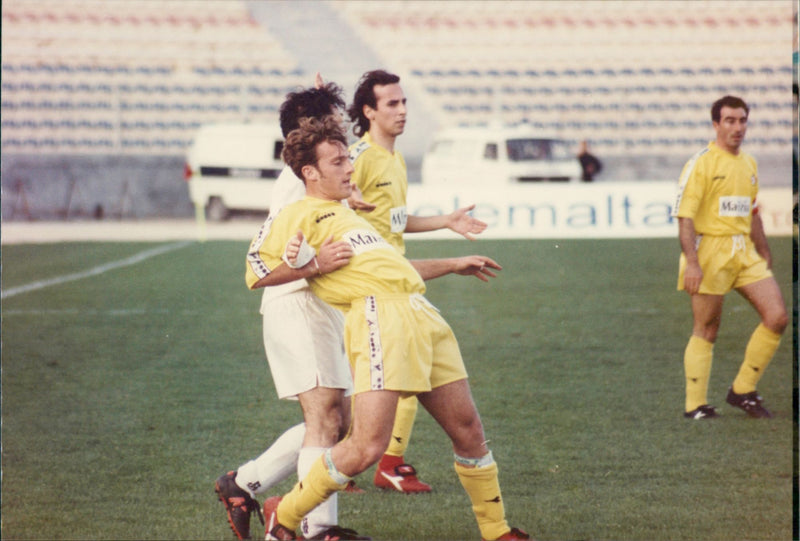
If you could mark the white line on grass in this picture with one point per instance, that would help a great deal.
(58, 280)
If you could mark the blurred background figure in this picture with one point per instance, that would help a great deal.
(589, 162)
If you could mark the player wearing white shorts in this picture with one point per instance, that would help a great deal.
(723, 247)
(303, 340)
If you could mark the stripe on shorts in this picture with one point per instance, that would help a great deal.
(375, 350)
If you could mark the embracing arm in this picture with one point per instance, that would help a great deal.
(283, 274)
(331, 256)
(475, 265)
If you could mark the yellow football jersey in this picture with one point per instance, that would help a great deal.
(717, 190)
(383, 180)
(376, 268)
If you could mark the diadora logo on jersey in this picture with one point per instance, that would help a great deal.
(383, 184)
(718, 177)
(753, 180)
(364, 240)
(734, 206)
(324, 216)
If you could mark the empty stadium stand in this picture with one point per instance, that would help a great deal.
(139, 76)
(631, 77)
(89, 76)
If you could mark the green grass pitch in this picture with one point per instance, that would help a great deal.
(125, 394)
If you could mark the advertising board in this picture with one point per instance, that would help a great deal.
(600, 210)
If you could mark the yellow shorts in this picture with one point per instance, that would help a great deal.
(400, 343)
(727, 262)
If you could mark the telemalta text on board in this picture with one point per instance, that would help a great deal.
(601, 210)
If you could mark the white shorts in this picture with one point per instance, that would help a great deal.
(304, 342)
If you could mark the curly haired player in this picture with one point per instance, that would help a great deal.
(396, 340)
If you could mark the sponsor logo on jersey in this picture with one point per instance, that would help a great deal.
(399, 216)
(364, 240)
(736, 206)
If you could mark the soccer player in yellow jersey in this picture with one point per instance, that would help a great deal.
(723, 248)
(396, 340)
(378, 113)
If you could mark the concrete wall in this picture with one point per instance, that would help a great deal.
(53, 187)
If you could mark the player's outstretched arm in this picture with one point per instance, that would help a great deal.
(479, 266)
(459, 221)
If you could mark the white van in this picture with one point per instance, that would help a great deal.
(233, 167)
(491, 155)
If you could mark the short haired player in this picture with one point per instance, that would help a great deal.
(398, 342)
(724, 248)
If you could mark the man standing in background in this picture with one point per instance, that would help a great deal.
(590, 164)
(723, 248)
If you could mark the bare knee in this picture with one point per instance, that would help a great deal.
(776, 321)
(469, 439)
(706, 330)
(324, 429)
(372, 452)
(353, 455)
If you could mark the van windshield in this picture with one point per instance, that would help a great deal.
(520, 150)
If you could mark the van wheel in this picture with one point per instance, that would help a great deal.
(216, 211)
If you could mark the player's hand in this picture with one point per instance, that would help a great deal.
(293, 247)
(318, 82)
(461, 222)
(356, 201)
(692, 277)
(478, 266)
(333, 255)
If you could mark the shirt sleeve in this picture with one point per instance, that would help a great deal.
(690, 189)
(266, 249)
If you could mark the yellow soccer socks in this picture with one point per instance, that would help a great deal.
(323, 479)
(480, 481)
(403, 424)
(758, 354)
(697, 366)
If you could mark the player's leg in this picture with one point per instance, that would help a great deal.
(699, 352)
(237, 489)
(765, 296)
(275, 464)
(451, 405)
(325, 412)
(373, 413)
(393, 472)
